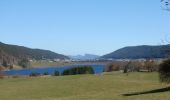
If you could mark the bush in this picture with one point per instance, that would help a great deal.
(46, 73)
(111, 67)
(56, 73)
(1, 68)
(5, 63)
(132, 66)
(150, 65)
(164, 71)
(35, 74)
(24, 63)
(15, 76)
(79, 70)
(115, 66)
(1, 76)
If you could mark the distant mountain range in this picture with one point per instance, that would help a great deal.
(13, 52)
(84, 57)
(136, 52)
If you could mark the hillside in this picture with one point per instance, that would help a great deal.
(11, 53)
(136, 52)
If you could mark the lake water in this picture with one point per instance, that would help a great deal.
(98, 69)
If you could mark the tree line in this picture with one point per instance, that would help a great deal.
(70, 71)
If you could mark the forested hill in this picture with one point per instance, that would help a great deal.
(19, 52)
(136, 52)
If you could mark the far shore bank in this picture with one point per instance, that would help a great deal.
(43, 64)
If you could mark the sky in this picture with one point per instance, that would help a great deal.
(74, 27)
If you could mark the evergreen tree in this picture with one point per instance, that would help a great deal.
(164, 71)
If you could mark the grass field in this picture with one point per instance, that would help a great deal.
(109, 86)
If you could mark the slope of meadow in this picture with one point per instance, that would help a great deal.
(109, 86)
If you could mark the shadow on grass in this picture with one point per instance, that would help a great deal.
(148, 92)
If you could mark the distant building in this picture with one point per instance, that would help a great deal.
(57, 60)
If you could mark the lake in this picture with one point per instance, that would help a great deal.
(98, 69)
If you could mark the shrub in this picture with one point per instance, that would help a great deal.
(35, 74)
(112, 67)
(24, 63)
(164, 71)
(5, 63)
(56, 73)
(1, 76)
(1, 68)
(46, 73)
(135, 66)
(11, 66)
(150, 65)
(115, 66)
(15, 76)
(79, 70)
(132, 66)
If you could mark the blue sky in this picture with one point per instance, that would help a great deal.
(73, 27)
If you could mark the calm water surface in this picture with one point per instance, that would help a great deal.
(98, 69)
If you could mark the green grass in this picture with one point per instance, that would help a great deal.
(109, 86)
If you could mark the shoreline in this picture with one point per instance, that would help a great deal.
(40, 64)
